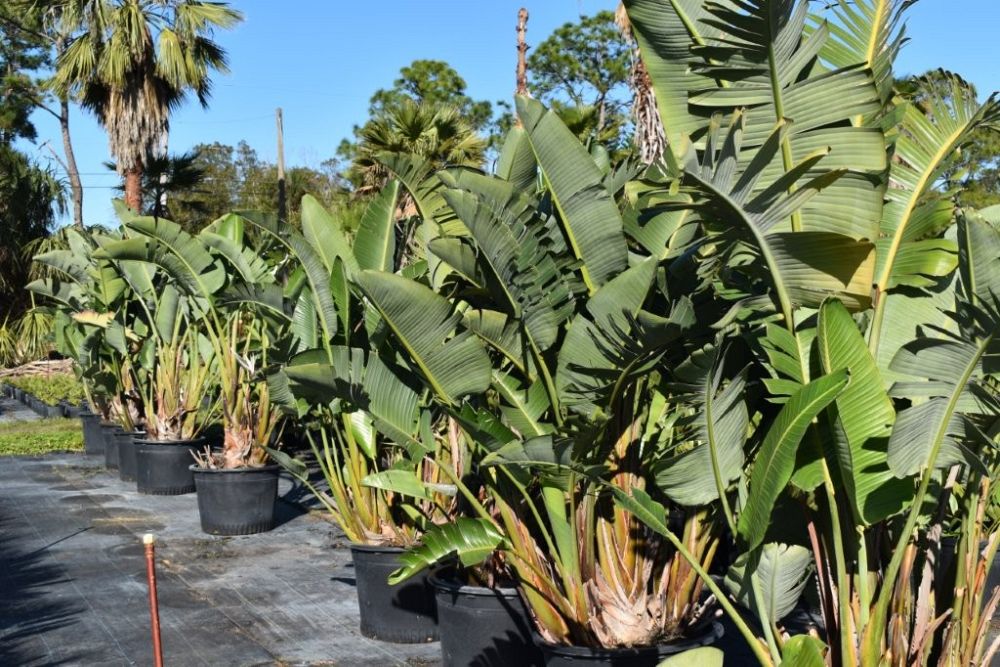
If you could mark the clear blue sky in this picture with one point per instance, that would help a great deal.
(320, 60)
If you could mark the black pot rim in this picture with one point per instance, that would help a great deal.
(441, 581)
(170, 443)
(376, 548)
(711, 634)
(270, 467)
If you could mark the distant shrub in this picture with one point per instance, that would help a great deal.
(51, 388)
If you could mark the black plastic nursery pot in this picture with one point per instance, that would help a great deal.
(403, 614)
(109, 432)
(93, 438)
(125, 442)
(237, 501)
(163, 467)
(485, 627)
(557, 655)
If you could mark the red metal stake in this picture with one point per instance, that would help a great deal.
(154, 607)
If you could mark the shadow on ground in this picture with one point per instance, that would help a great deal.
(27, 609)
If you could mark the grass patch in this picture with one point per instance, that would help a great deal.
(24, 438)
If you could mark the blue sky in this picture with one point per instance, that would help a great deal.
(320, 60)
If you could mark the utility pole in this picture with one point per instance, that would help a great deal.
(282, 202)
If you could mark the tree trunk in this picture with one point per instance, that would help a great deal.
(133, 189)
(76, 187)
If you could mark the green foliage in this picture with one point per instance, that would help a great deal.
(432, 83)
(51, 388)
(972, 174)
(131, 63)
(236, 179)
(584, 67)
(33, 438)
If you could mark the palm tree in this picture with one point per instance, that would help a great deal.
(132, 62)
(649, 136)
(436, 132)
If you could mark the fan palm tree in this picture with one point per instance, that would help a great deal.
(438, 133)
(132, 62)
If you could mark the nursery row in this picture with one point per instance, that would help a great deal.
(55, 395)
(615, 400)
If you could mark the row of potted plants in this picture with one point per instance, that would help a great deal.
(605, 403)
(50, 395)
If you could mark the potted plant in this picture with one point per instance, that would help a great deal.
(898, 336)
(175, 364)
(226, 287)
(86, 291)
(366, 421)
(578, 340)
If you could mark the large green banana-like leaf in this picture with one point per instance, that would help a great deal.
(979, 260)
(184, 258)
(910, 252)
(703, 656)
(365, 384)
(375, 242)
(169, 313)
(803, 267)
(67, 294)
(267, 299)
(590, 217)
(502, 333)
(313, 268)
(303, 326)
(588, 357)
(453, 363)
(803, 651)
(417, 176)
(869, 33)
(398, 480)
(665, 31)
(718, 429)
(864, 416)
(518, 270)
(937, 430)
(516, 163)
(524, 406)
(782, 573)
(775, 461)
(325, 234)
(764, 51)
(910, 311)
(471, 540)
(74, 265)
(251, 267)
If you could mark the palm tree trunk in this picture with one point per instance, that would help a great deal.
(133, 189)
(76, 187)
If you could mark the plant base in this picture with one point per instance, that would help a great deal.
(557, 655)
(404, 614)
(236, 501)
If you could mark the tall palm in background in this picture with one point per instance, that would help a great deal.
(132, 62)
